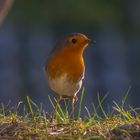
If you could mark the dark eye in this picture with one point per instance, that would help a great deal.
(74, 40)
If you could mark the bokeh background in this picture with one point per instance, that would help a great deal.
(31, 29)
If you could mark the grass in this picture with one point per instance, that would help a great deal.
(36, 123)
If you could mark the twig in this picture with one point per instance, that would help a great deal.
(5, 7)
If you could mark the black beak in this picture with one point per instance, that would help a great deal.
(92, 41)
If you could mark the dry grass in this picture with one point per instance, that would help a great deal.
(14, 127)
(36, 124)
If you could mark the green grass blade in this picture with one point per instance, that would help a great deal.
(29, 104)
(80, 103)
(89, 115)
(58, 115)
(66, 103)
(95, 114)
(125, 97)
(61, 111)
(101, 107)
(102, 100)
(3, 109)
(51, 102)
(134, 110)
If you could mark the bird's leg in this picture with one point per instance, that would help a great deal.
(73, 107)
(74, 100)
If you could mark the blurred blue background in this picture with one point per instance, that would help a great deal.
(31, 29)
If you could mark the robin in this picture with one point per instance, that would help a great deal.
(65, 66)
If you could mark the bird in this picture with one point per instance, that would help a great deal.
(65, 68)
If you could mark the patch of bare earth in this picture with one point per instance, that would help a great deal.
(19, 128)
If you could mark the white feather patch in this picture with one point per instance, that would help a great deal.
(62, 86)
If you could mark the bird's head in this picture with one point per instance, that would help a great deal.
(77, 40)
(73, 41)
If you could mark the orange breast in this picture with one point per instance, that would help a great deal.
(67, 61)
